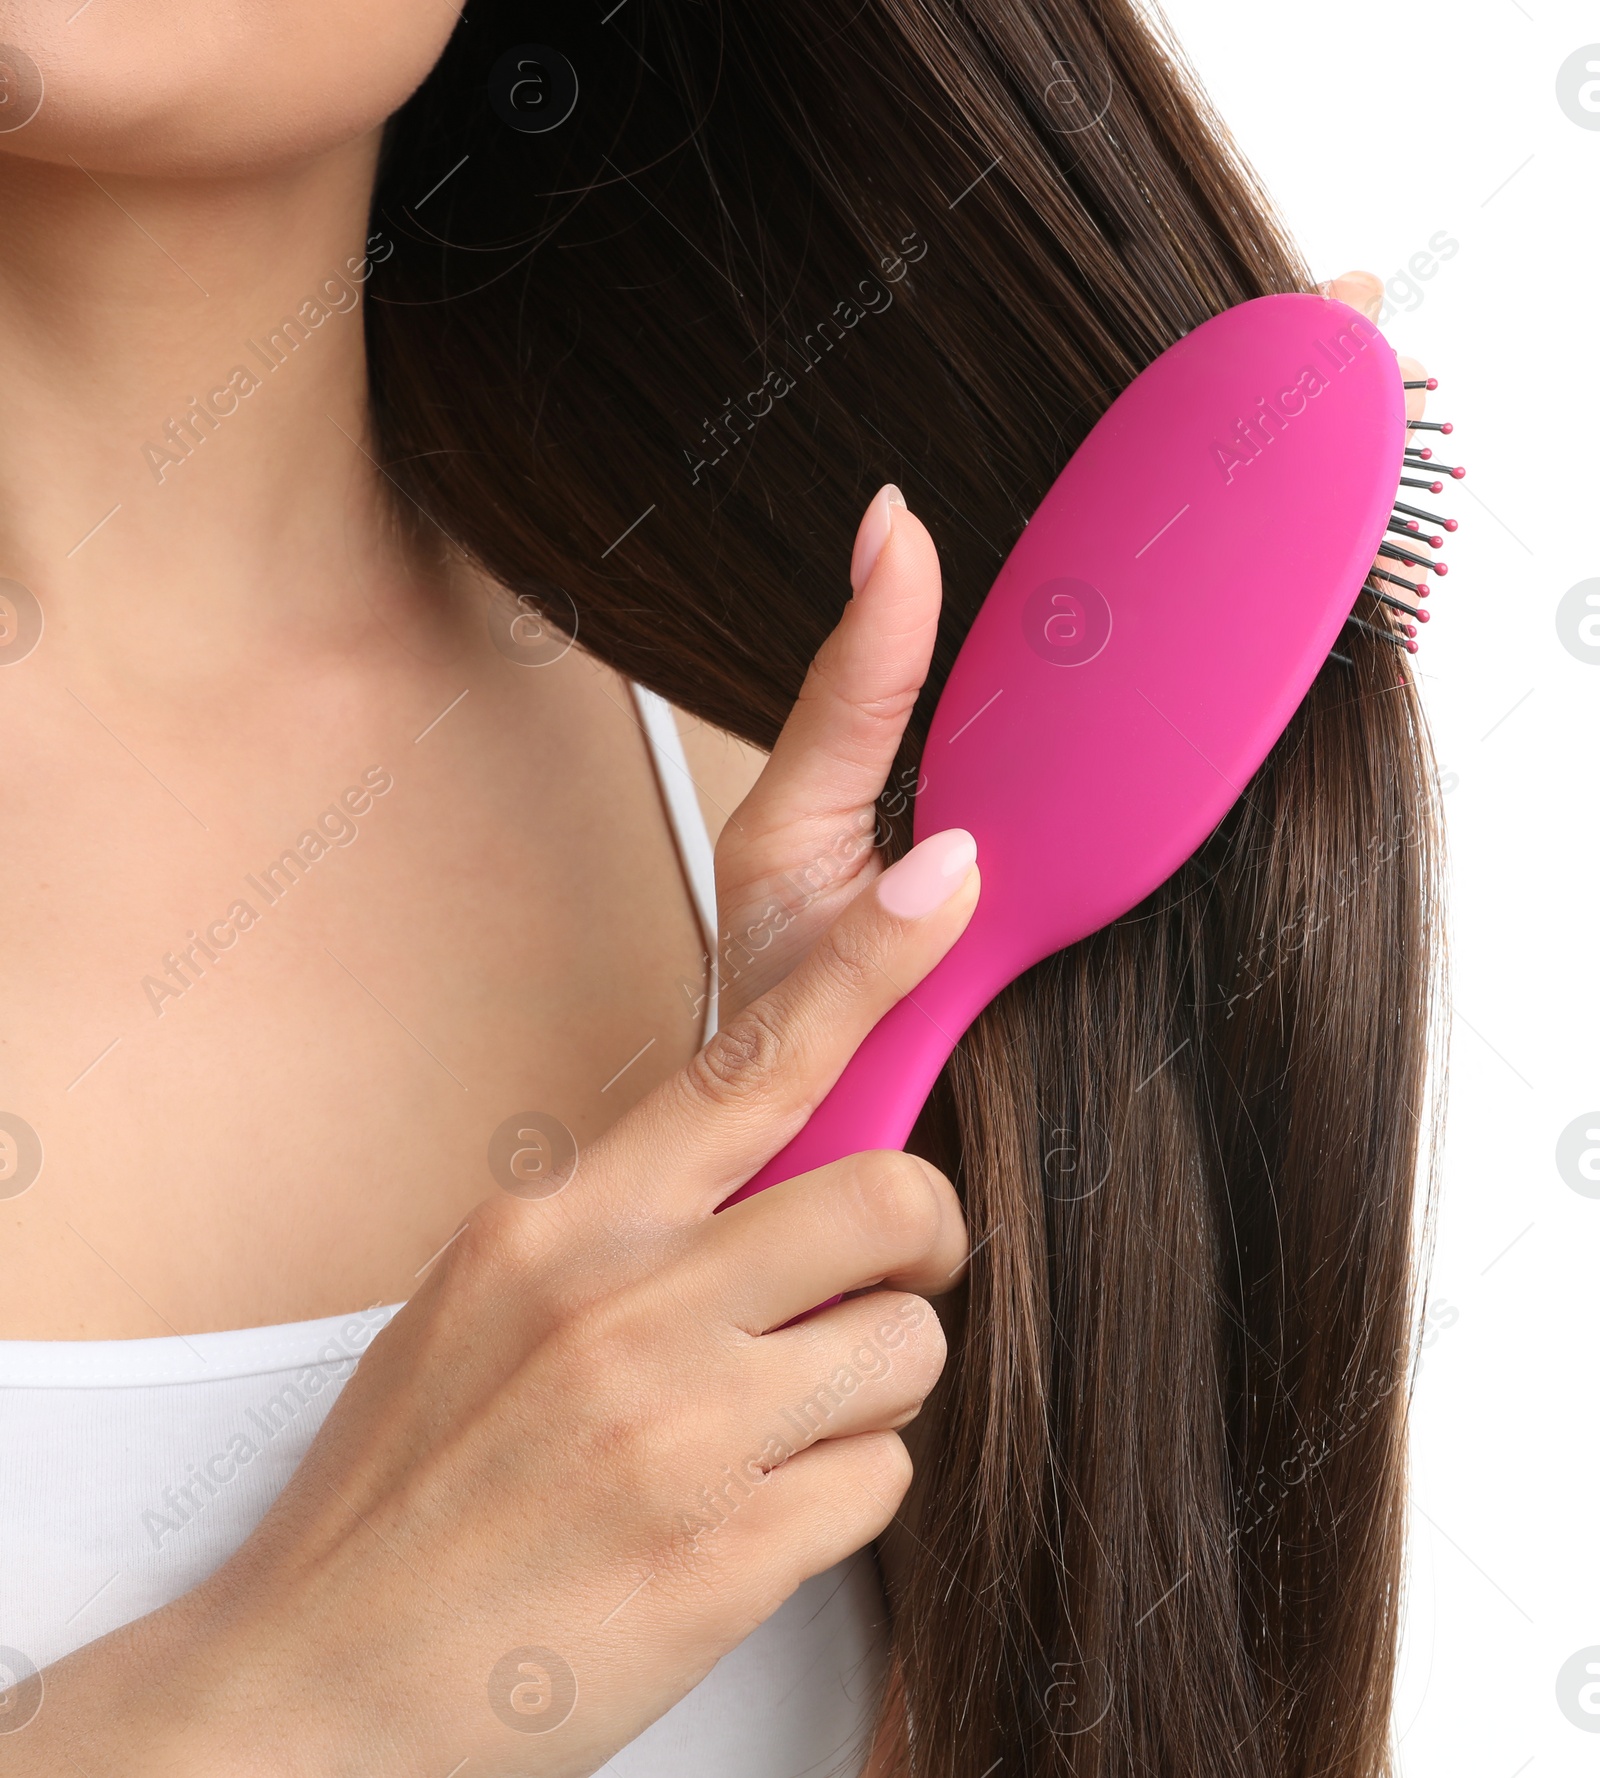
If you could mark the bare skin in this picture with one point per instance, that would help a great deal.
(301, 1127)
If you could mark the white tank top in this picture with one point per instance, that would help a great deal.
(131, 1469)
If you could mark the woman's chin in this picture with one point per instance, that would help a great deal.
(185, 94)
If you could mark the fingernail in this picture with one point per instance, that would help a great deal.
(928, 875)
(874, 534)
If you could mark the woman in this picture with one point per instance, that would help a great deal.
(336, 865)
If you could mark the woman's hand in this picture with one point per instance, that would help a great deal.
(591, 1454)
(799, 847)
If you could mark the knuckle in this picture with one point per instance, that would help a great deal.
(891, 708)
(813, 1414)
(852, 953)
(622, 1419)
(496, 1241)
(901, 1335)
(490, 1228)
(926, 1338)
(511, 1250)
(744, 843)
(898, 1203)
(885, 1466)
(739, 1060)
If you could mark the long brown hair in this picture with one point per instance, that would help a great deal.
(645, 368)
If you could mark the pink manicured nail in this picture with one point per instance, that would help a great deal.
(928, 875)
(873, 535)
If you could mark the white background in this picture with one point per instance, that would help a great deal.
(1375, 126)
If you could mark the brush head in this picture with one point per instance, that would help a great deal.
(1135, 661)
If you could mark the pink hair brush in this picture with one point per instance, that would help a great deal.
(1129, 672)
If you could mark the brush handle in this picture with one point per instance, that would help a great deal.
(885, 1084)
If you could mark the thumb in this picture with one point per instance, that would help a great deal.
(836, 749)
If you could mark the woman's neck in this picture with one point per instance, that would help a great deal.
(185, 472)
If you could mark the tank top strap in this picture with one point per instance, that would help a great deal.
(688, 824)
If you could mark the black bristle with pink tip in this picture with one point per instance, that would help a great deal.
(1384, 633)
(1418, 589)
(1433, 518)
(1405, 541)
(1418, 457)
(1400, 605)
